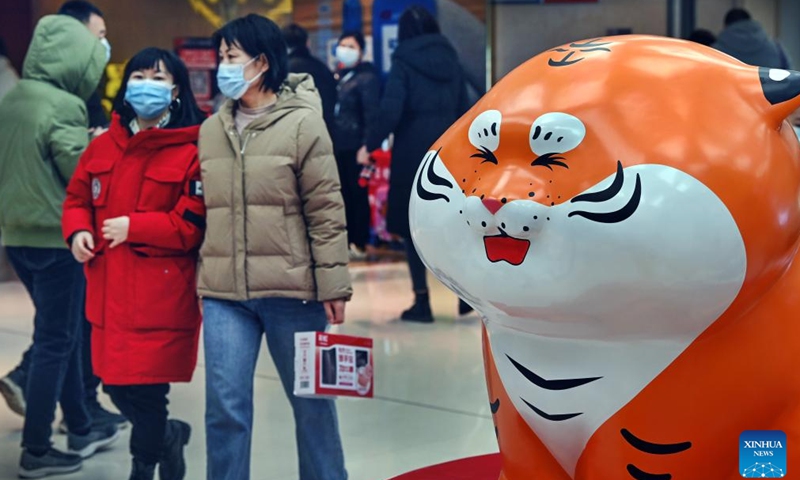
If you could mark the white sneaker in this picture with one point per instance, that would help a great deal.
(356, 254)
(13, 394)
(98, 439)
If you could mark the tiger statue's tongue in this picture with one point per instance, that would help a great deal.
(502, 248)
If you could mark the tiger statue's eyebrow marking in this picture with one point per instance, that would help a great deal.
(585, 47)
(564, 62)
(590, 44)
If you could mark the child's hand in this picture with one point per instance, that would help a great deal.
(82, 246)
(115, 230)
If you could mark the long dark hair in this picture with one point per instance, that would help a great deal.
(184, 111)
(416, 21)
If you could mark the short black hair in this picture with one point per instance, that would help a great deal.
(79, 10)
(703, 37)
(736, 15)
(416, 21)
(185, 112)
(295, 36)
(355, 35)
(257, 35)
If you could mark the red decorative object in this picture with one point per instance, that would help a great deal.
(484, 467)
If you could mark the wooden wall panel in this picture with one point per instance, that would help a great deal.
(133, 25)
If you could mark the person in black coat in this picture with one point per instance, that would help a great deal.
(356, 110)
(425, 93)
(301, 61)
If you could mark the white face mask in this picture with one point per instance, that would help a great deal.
(347, 55)
(106, 44)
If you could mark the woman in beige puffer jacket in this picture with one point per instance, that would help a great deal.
(274, 259)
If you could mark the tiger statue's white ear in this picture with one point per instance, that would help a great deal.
(484, 133)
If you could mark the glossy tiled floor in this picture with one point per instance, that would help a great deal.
(430, 404)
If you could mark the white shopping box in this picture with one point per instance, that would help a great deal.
(328, 365)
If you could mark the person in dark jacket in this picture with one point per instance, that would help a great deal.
(744, 39)
(301, 61)
(425, 93)
(359, 95)
(703, 37)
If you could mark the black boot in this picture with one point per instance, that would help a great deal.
(420, 311)
(142, 471)
(172, 465)
(464, 308)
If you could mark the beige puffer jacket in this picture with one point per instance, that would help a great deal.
(276, 223)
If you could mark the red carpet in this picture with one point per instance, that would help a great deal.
(484, 467)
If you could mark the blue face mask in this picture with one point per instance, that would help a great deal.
(148, 98)
(231, 81)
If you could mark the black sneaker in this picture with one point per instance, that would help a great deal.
(173, 465)
(419, 312)
(13, 394)
(53, 462)
(100, 418)
(98, 438)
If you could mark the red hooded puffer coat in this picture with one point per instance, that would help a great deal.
(141, 296)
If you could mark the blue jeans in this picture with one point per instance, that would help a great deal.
(232, 339)
(53, 280)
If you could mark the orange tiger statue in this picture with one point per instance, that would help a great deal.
(624, 212)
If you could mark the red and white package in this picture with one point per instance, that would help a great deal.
(328, 365)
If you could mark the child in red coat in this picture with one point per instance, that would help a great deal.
(134, 215)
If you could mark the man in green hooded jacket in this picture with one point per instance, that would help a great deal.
(12, 385)
(43, 132)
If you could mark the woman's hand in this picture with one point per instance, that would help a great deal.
(334, 309)
(115, 230)
(362, 157)
(82, 246)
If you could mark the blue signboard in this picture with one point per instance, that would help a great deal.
(352, 17)
(385, 18)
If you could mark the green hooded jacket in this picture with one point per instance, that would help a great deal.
(44, 130)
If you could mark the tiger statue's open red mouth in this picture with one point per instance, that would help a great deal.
(503, 248)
